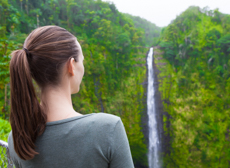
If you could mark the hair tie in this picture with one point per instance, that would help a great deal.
(27, 52)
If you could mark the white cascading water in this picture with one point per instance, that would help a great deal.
(153, 157)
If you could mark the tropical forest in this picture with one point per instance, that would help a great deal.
(190, 66)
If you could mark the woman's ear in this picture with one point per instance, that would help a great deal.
(71, 67)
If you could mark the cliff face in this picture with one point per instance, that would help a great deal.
(163, 134)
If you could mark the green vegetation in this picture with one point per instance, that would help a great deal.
(195, 88)
(193, 59)
(5, 129)
(4, 132)
(114, 50)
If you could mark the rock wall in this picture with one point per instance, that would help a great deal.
(164, 136)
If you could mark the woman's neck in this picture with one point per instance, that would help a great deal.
(58, 103)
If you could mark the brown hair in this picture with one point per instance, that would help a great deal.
(46, 49)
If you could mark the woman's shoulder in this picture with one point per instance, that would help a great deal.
(104, 127)
(106, 119)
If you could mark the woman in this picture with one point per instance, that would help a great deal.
(50, 133)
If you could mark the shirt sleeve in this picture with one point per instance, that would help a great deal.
(120, 151)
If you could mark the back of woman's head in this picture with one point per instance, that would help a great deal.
(42, 58)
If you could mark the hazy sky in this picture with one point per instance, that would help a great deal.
(161, 12)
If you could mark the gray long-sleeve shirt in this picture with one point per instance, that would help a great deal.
(95, 140)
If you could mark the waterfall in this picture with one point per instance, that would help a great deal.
(154, 145)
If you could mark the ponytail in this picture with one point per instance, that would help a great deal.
(27, 117)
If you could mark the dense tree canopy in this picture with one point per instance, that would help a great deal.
(196, 92)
